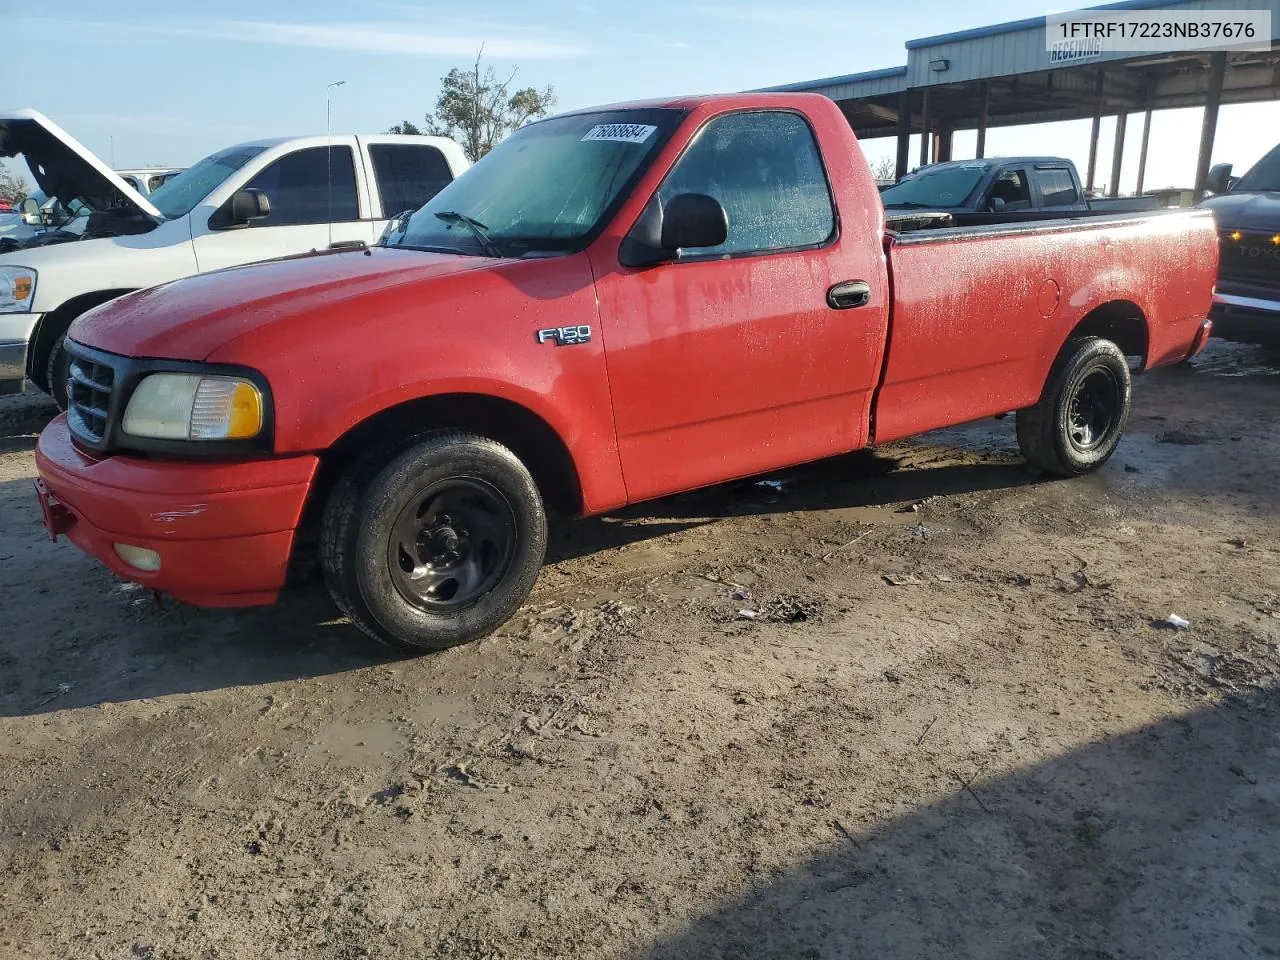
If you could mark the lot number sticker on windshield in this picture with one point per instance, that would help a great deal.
(620, 132)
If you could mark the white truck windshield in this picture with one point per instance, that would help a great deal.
(179, 196)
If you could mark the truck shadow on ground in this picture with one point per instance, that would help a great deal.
(867, 479)
(78, 637)
(1157, 843)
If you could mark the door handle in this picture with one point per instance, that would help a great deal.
(851, 293)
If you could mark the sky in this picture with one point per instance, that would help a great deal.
(165, 84)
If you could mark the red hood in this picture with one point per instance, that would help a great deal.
(190, 319)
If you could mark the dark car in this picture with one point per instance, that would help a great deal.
(1246, 304)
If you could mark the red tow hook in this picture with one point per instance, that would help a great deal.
(57, 518)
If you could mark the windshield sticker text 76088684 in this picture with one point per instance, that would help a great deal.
(620, 132)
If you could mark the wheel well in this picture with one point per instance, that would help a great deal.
(54, 324)
(1120, 321)
(526, 434)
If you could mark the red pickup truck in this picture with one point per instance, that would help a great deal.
(615, 305)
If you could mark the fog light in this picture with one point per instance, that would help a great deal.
(140, 558)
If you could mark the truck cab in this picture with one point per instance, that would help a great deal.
(93, 237)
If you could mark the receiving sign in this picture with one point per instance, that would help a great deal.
(620, 132)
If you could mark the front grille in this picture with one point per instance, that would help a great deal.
(1254, 256)
(89, 387)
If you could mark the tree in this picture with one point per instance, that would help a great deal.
(407, 127)
(478, 110)
(12, 186)
(884, 168)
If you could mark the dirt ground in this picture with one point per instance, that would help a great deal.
(951, 722)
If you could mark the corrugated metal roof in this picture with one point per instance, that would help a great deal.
(1000, 50)
(1012, 49)
(869, 83)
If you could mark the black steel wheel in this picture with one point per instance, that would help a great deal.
(451, 543)
(1082, 412)
(436, 547)
(1093, 409)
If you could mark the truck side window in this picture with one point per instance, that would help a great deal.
(1057, 189)
(408, 175)
(298, 187)
(765, 170)
(1011, 187)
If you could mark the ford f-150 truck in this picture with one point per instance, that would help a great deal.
(614, 305)
(1246, 302)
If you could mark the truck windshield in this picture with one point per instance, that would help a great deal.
(1264, 176)
(178, 197)
(550, 187)
(941, 186)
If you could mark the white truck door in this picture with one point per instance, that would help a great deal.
(316, 202)
(408, 173)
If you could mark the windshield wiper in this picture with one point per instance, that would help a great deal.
(478, 229)
(907, 204)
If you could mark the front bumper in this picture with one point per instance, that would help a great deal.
(223, 531)
(1251, 318)
(13, 366)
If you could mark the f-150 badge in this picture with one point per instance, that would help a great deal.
(564, 336)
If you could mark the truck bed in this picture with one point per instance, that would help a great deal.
(1031, 281)
(909, 221)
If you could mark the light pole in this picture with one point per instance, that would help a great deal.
(329, 152)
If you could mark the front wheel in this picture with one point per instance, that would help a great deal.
(1082, 412)
(439, 547)
(56, 371)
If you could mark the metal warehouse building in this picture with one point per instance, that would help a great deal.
(1003, 75)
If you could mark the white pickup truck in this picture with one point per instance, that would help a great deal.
(89, 237)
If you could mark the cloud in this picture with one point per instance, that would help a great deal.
(374, 38)
(677, 45)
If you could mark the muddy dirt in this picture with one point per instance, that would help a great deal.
(909, 704)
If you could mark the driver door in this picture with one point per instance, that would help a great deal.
(315, 203)
(730, 361)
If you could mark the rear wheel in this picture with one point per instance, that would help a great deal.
(438, 547)
(1082, 412)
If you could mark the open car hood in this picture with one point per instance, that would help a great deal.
(62, 167)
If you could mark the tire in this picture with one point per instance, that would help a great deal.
(437, 547)
(55, 372)
(1081, 415)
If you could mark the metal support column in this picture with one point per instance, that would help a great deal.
(1117, 154)
(946, 133)
(904, 135)
(1213, 99)
(982, 119)
(1093, 136)
(1142, 153)
(925, 125)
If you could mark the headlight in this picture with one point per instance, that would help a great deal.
(17, 289)
(191, 406)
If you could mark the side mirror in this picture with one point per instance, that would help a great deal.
(244, 207)
(31, 212)
(995, 204)
(1219, 179)
(688, 220)
(693, 220)
(247, 205)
